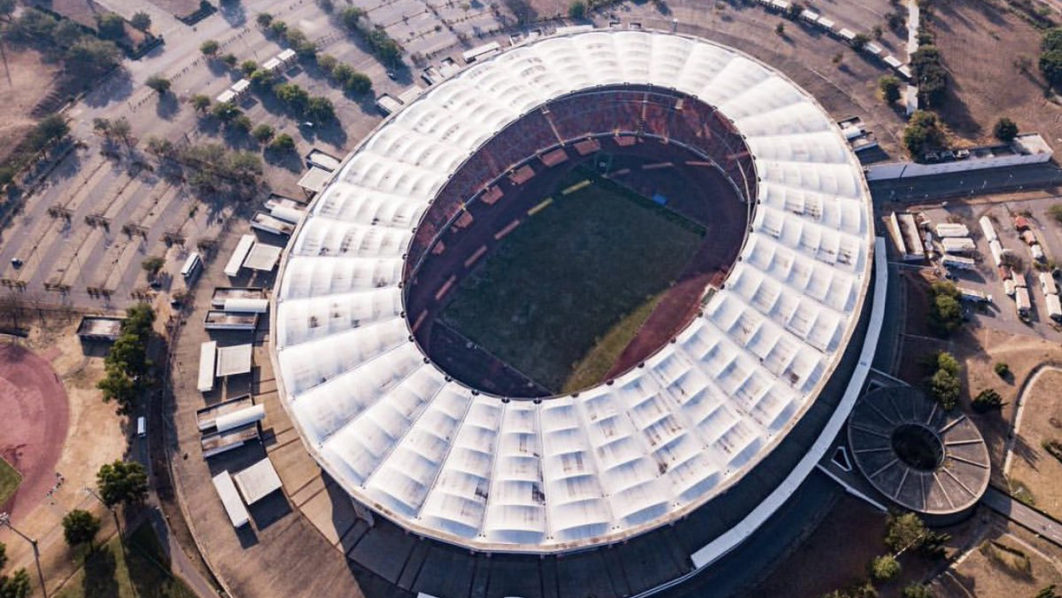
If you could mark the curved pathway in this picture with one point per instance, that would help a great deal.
(1027, 385)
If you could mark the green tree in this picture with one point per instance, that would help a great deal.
(263, 19)
(350, 17)
(230, 60)
(248, 66)
(884, 568)
(89, 58)
(292, 95)
(278, 28)
(1047, 592)
(153, 265)
(282, 143)
(904, 532)
(16, 586)
(3, 555)
(80, 527)
(917, 590)
(67, 33)
(860, 41)
(944, 384)
(261, 79)
(779, 29)
(159, 84)
(200, 102)
(922, 133)
(327, 63)
(1002, 369)
(890, 88)
(241, 123)
(51, 128)
(1056, 212)
(225, 111)
(121, 129)
(577, 10)
(945, 309)
(358, 84)
(110, 26)
(123, 482)
(209, 48)
(320, 109)
(141, 20)
(987, 400)
(1005, 130)
(263, 133)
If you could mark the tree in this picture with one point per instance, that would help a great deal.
(225, 111)
(241, 123)
(3, 555)
(1047, 592)
(229, 59)
(1056, 212)
(89, 57)
(350, 17)
(67, 33)
(122, 482)
(209, 48)
(1005, 130)
(153, 265)
(945, 309)
(16, 586)
(326, 5)
(159, 84)
(922, 133)
(987, 400)
(80, 527)
(1052, 39)
(860, 41)
(292, 95)
(1002, 369)
(885, 567)
(903, 532)
(358, 84)
(327, 63)
(780, 29)
(141, 20)
(248, 66)
(320, 109)
(110, 26)
(7, 7)
(121, 128)
(930, 75)
(51, 128)
(577, 10)
(200, 102)
(282, 143)
(890, 88)
(261, 79)
(278, 28)
(917, 590)
(263, 133)
(263, 19)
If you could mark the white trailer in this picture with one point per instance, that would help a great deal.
(1037, 252)
(958, 245)
(208, 354)
(974, 295)
(950, 229)
(958, 262)
(987, 228)
(1008, 286)
(997, 251)
(1048, 284)
(1022, 302)
(1054, 308)
(231, 500)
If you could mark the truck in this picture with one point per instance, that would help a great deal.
(958, 244)
(974, 295)
(957, 262)
(987, 228)
(1022, 302)
(950, 229)
(1054, 308)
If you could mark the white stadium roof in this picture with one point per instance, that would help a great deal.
(619, 459)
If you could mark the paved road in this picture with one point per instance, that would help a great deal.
(1002, 503)
(979, 182)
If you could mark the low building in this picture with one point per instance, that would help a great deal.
(223, 320)
(100, 328)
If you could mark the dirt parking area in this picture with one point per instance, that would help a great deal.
(27, 80)
(982, 47)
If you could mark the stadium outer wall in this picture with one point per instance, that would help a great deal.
(428, 565)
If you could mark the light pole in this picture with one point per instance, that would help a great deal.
(114, 512)
(5, 519)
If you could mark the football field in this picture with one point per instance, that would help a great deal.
(565, 292)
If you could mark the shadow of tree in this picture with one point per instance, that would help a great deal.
(100, 568)
(167, 106)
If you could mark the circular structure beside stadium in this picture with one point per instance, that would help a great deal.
(707, 427)
(923, 458)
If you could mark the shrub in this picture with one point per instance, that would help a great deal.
(248, 66)
(890, 88)
(230, 59)
(327, 63)
(1002, 369)
(884, 568)
(141, 21)
(577, 10)
(780, 29)
(262, 133)
(110, 26)
(159, 84)
(200, 102)
(987, 400)
(1056, 212)
(282, 143)
(209, 47)
(917, 590)
(263, 19)
(1005, 130)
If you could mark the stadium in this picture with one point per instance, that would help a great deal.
(597, 304)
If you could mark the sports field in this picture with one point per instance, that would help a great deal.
(565, 292)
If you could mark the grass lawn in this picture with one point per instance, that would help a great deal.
(140, 570)
(9, 480)
(566, 291)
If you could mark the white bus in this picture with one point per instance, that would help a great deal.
(191, 266)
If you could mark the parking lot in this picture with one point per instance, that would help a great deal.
(1001, 313)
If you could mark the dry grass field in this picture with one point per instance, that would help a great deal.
(1010, 561)
(982, 47)
(1032, 465)
(27, 80)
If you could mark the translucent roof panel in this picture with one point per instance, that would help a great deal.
(563, 473)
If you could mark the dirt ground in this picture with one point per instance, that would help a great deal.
(981, 47)
(1032, 565)
(27, 80)
(1033, 466)
(96, 436)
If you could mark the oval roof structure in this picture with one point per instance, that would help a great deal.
(620, 459)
